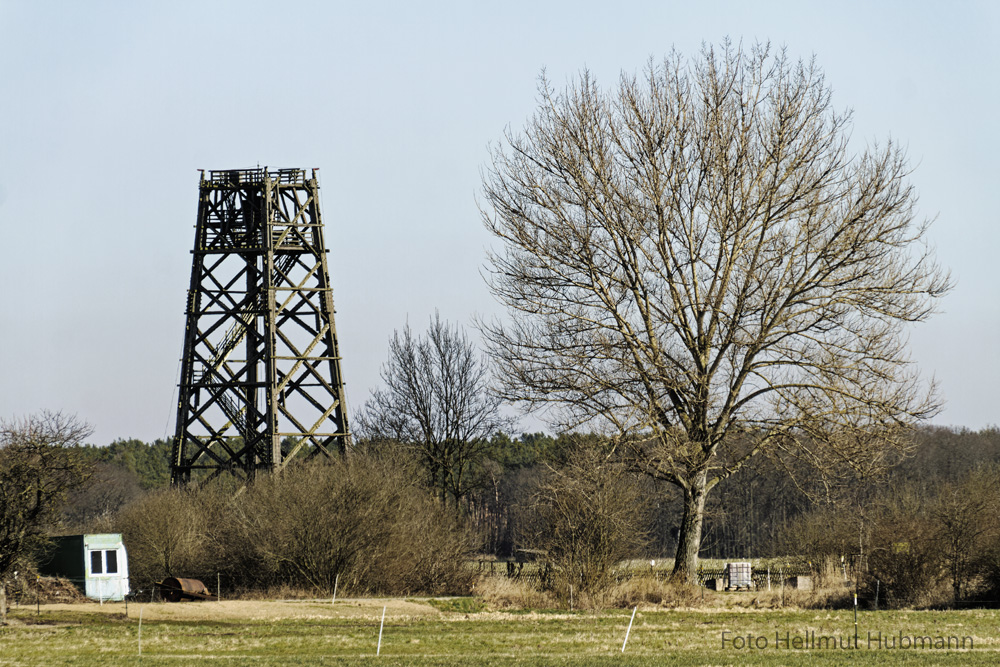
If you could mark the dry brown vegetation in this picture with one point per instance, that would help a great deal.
(360, 524)
(500, 593)
(587, 516)
(912, 545)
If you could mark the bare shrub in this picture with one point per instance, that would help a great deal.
(590, 514)
(919, 545)
(163, 532)
(426, 552)
(358, 523)
(905, 561)
(965, 526)
(990, 573)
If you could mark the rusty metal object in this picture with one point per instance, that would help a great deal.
(175, 589)
(260, 377)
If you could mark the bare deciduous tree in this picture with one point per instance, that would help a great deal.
(963, 517)
(109, 488)
(587, 516)
(38, 467)
(436, 400)
(698, 254)
(164, 534)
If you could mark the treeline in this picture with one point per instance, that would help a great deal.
(120, 473)
(748, 517)
(922, 532)
(753, 512)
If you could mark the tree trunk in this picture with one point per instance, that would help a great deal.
(689, 540)
(956, 579)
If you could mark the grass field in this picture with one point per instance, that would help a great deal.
(458, 631)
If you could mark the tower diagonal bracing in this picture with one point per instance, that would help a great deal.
(261, 378)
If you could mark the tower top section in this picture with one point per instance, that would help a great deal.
(230, 177)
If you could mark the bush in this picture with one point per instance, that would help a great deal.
(938, 547)
(164, 534)
(964, 517)
(359, 523)
(589, 515)
(904, 558)
(358, 520)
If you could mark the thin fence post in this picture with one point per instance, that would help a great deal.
(140, 630)
(378, 651)
(627, 632)
(336, 581)
(855, 620)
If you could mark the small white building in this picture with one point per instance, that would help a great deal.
(96, 564)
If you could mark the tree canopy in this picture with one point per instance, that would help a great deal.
(697, 261)
(436, 401)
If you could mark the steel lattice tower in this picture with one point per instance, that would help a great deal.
(260, 377)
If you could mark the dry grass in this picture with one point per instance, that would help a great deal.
(312, 632)
(501, 593)
(280, 592)
(647, 591)
(252, 610)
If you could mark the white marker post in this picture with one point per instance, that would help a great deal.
(627, 632)
(855, 620)
(140, 631)
(335, 582)
(378, 650)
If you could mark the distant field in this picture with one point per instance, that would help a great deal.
(452, 632)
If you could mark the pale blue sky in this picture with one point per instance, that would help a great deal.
(107, 109)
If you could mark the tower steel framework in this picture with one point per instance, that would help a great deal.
(260, 378)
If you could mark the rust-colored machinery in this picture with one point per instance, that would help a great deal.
(175, 589)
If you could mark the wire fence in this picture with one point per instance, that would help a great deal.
(540, 573)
